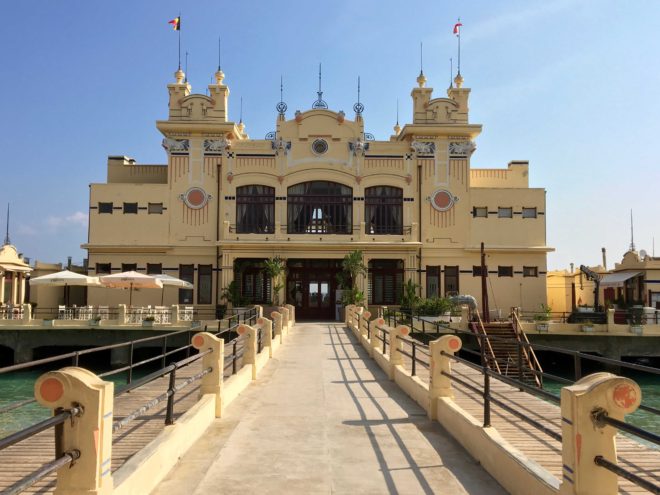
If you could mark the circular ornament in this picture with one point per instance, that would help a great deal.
(319, 146)
(195, 198)
(442, 200)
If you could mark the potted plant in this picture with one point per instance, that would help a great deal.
(435, 309)
(541, 318)
(587, 326)
(232, 294)
(148, 321)
(275, 268)
(409, 298)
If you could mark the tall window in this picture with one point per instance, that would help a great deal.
(187, 273)
(451, 281)
(383, 212)
(255, 209)
(385, 281)
(255, 284)
(432, 281)
(319, 207)
(204, 287)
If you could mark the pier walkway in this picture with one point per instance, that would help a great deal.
(324, 418)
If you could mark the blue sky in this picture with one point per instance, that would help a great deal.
(573, 86)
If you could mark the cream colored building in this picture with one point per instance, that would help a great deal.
(13, 273)
(316, 188)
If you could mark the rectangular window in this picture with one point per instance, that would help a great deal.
(476, 271)
(103, 268)
(505, 212)
(155, 209)
(480, 212)
(130, 208)
(204, 284)
(105, 208)
(385, 281)
(529, 212)
(154, 268)
(505, 271)
(530, 271)
(129, 267)
(187, 273)
(432, 281)
(451, 281)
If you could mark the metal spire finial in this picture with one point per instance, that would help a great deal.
(186, 79)
(240, 120)
(451, 72)
(7, 241)
(397, 111)
(319, 103)
(358, 107)
(632, 237)
(421, 58)
(219, 54)
(281, 106)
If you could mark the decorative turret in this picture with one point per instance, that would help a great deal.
(460, 95)
(178, 90)
(220, 96)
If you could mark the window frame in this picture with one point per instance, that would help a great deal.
(245, 199)
(309, 205)
(128, 206)
(529, 209)
(156, 205)
(102, 272)
(129, 267)
(396, 271)
(383, 207)
(105, 207)
(204, 284)
(477, 209)
(503, 209)
(505, 271)
(447, 277)
(533, 269)
(151, 271)
(476, 270)
(187, 273)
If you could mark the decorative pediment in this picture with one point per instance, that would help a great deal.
(176, 145)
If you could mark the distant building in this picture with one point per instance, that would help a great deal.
(13, 273)
(314, 189)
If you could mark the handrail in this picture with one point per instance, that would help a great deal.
(490, 348)
(532, 361)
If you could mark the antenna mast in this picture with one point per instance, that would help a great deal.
(7, 241)
(632, 238)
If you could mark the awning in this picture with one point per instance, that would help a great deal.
(617, 279)
(11, 267)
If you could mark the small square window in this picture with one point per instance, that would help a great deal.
(129, 267)
(505, 212)
(103, 268)
(529, 212)
(480, 212)
(476, 271)
(155, 209)
(505, 271)
(530, 271)
(154, 268)
(130, 208)
(105, 208)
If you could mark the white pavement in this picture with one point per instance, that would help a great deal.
(323, 418)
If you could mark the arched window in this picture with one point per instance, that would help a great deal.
(383, 210)
(255, 209)
(319, 207)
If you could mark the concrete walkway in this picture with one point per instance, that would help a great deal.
(323, 418)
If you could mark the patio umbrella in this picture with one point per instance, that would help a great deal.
(131, 280)
(170, 281)
(66, 279)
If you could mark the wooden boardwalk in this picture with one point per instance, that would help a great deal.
(638, 458)
(21, 459)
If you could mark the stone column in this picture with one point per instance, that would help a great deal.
(465, 318)
(375, 343)
(2, 288)
(250, 353)
(211, 382)
(21, 289)
(285, 319)
(14, 288)
(292, 313)
(266, 327)
(584, 438)
(89, 434)
(439, 384)
(396, 358)
(364, 323)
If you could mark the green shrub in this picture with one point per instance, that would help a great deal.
(435, 306)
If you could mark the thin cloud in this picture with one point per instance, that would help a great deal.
(77, 219)
(26, 230)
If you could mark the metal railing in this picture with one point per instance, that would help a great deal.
(417, 349)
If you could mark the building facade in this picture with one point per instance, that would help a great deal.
(315, 189)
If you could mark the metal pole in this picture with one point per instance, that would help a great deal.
(233, 361)
(413, 360)
(520, 364)
(384, 343)
(130, 364)
(164, 349)
(76, 358)
(484, 287)
(578, 366)
(484, 366)
(169, 417)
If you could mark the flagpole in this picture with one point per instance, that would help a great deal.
(459, 47)
(179, 40)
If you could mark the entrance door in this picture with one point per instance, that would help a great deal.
(311, 286)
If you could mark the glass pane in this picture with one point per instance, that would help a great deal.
(313, 294)
(325, 295)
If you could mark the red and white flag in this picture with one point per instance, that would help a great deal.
(457, 28)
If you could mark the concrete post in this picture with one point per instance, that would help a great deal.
(89, 433)
(439, 384)
(396, 358)
(364, 323)
(260, 310)
(212, 382)
(122, 316)
(250, 353)
(277, 322)
(347, 314)
(375, 325)
(285, 319)
(14, 287)
(27, 312)
(2, 288)
(266, 326)
(21, 289)
(292, 313)
(610, 319)
(583, 438)
(356, 318)
(175, 314)
(465, 318)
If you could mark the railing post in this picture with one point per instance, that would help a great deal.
(266, 326)
(89, 433)
(440, 384)
(396, 359)
(485, 369)
(285, 319)
(520, 364)
(122, 314)
(277, 323)
(27, 311)
(211, 382)
(465, 318)
(347, 314)
(583, 438)
(292, 313)
(377, 323)
(176, 315)
(363, 323)
(169, 412)
(250, 353)
(260, 311)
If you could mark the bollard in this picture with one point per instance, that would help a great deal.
(89, 433)
(212, 382)
(292, 313)
(364, 322)
(439, 384)
(250, 353)
(260, 310)
(266, 326)
(277, 323)
(396, 358)
(583, 438)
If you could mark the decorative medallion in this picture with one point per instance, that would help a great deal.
(442, 200)
(319, 146)
(195, 198)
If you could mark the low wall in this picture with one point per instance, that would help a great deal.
(415, 388)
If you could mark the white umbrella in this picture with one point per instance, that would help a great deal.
(131, 280)
(65, 279)
(170, 281)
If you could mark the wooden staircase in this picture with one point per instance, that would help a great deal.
(502, 351)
